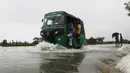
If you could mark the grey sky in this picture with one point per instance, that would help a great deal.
(21, 19)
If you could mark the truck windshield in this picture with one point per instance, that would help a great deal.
(53, 19)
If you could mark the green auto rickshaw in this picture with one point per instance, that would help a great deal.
(61, 28)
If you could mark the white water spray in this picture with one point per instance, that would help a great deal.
(46, 47)
(124, 63)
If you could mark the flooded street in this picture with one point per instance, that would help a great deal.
(90, 59)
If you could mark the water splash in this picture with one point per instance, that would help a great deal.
(46, 47)
(100, 48)
(124, 49)
(124, 63)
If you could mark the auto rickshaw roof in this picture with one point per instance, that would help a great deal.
(61, 12)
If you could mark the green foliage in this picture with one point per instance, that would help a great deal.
(100, 40)
(19, 43)
(128, 14)
(4, 43)
(93, 40)
(127, 7)
(35, 40)
(126, 41)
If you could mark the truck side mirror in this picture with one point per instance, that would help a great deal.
(42, 20)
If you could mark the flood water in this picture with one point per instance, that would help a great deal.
(90, 59)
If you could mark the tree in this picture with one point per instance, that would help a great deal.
(36, 40)
(127, 7)
(100, 39)
(4, 42)
(92, 41)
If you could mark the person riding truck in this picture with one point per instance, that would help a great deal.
(78, 32)
(71, 33)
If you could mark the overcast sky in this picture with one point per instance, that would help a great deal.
(21, 19)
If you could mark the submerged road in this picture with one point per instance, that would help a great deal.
(99, 59)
